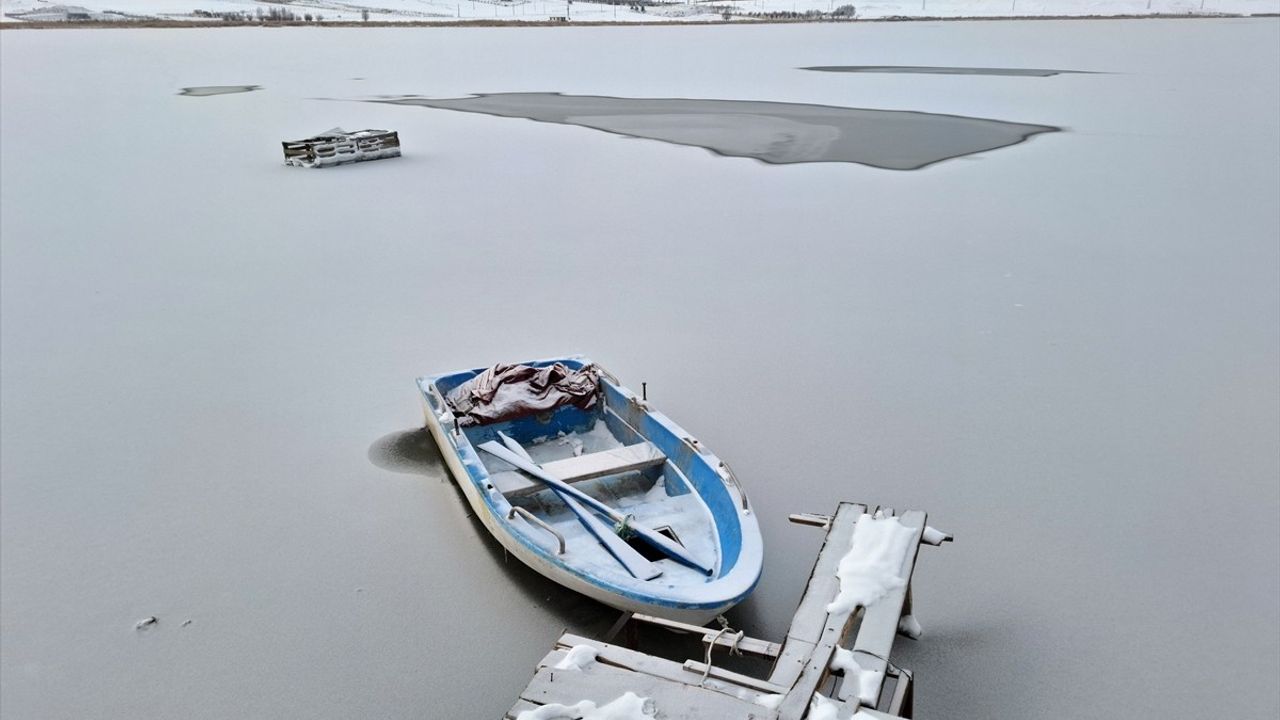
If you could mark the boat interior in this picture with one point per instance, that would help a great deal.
(602, 453)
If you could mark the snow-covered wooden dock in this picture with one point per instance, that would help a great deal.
(832, 664)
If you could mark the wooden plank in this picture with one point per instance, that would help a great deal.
(649, 665)
(763, 686)
(607, 462)
(869, 714)
(791, 661)
(811, 614)
(584, 467)
(555, 655)
(813, 519)
(617, 625)
(879, 626)
(603, 684)
(821, 589)
(754, 646)
(817, 666)
(519, 707)
(803, 659)
(810, 618)
(903, 698)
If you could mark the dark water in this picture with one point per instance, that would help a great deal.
(924, 70)
(207, 90)
(773, 132)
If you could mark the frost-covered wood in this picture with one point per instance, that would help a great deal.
(815, 634)
(808, 622)
(812, 519)
(584, 467)
(879, 624)
(337, 146)
(903, 700)
(753, 646)
(626, 659)
(712, 671)
(601, 684)
(844, 628)
(519, 707)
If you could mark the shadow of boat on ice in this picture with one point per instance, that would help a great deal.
(414, 452)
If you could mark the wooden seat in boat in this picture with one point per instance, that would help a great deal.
(584, 467)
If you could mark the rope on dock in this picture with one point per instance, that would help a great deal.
(711, 643)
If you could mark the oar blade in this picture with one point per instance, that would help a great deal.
(514, 446)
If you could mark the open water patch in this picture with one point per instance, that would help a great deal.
(207, 90)
(928, 70)
(778, 133)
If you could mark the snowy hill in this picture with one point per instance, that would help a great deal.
(213, 11)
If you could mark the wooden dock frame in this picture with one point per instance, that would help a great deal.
(693, 691)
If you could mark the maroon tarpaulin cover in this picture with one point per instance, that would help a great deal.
(505, 392)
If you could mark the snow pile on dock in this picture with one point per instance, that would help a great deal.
(770, 701)
(578, 657)
(820, 707)
(868, 681)
(873, 564)
(628, 707)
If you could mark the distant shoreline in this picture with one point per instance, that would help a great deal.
(192, 24)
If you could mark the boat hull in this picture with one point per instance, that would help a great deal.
(721, 593)
(552, 571)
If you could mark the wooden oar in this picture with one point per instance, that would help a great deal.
(634, 562)
(657, 540)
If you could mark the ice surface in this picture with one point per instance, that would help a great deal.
(199, 344)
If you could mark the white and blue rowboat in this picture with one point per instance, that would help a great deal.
(614, 501)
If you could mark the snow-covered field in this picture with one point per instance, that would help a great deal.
(1067, 350)
(542, 10)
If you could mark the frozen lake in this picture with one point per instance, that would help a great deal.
(1066, 349)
